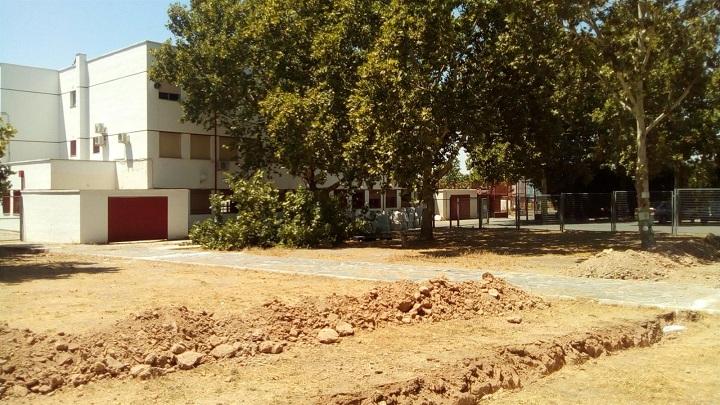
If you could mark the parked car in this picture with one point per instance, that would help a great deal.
(662, 212)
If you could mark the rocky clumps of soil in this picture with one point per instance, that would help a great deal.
(505, 367)
(164, 340)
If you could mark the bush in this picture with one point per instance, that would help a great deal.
(304, 219)
(255, 224)
(309, 220)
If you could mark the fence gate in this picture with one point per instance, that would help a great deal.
(698, 207)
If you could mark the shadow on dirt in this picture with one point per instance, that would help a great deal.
(462, 241)
(18, 265)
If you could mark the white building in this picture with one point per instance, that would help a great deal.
(101, 154)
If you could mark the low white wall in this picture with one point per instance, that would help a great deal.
(94, 211)
(10, 223)
(51, 216)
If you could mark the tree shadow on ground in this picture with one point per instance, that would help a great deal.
(18, 265)
(524, 242)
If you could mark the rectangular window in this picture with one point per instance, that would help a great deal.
(358, 199)
(200, 147)
(391, 199)
(375, 199)
(73, 148)
(170, 145)
(73, 99)
(96, 148)
(169, 96)
(200, 201)
(228, 151)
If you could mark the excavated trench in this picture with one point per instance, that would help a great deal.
(510, 367)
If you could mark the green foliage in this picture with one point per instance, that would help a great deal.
(303, 219)
(310, 221)
(7, 131)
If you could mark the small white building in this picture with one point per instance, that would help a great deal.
(452, 204)
(101, 154)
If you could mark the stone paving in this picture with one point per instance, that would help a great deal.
(628, 292)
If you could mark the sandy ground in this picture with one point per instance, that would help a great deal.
(54, 292)
(549, 252)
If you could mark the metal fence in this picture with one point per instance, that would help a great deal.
(695, 211)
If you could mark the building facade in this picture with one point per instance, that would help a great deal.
(102, 128)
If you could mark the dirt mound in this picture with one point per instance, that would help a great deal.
(506, 367)
(628, 264)
(164, 340)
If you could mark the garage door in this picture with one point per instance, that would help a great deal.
(462, 202)
(137, 218)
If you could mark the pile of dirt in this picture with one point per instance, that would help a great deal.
(627, 265)
(163, 340)
(507, 367)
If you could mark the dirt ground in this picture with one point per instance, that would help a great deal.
(75, 294)
(682, 259)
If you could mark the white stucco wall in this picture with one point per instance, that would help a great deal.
(51, 216)
(442, 202)
(94, 212)
(30, 101)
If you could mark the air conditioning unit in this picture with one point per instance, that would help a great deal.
(98, 140)
(100, 129)
(123, 138)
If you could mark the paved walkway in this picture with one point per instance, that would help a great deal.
(628, 292)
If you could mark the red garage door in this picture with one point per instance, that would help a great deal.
(463, 203)
(137, 218)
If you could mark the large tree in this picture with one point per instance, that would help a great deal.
(410, 109)
(650, 55)
(276, 74)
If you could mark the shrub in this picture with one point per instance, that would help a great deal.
(310, 219)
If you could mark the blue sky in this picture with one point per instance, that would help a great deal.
(48, 33)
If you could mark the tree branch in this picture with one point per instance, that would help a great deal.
(674, 105)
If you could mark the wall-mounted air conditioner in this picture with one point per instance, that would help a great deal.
(98, 140)
(123, 138)
(100, 128)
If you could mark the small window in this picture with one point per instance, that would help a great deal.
(96, 148)
(73, 148)
(169, 96)
(200, 147)
(358, 199)
(170, 145)
(375, 199)
(228, 151)
(391, 199)
(73, 99)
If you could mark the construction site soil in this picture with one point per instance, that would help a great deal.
(164, 340)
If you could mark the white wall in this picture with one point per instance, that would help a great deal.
(38, 175)
(30, 101)
(94, 212)
(51, 216)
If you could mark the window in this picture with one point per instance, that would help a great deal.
(200, 147)
(73, 148)
(96, 148)
(73, 99)
(375, 199)
(358, 199)
(168, 92)
(228, 149)
(170, 145)
(199, 202)
(391, 199)
(169, 96)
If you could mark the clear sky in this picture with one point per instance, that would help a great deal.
(48, 33)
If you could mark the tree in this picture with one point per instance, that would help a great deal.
(275, 74)
(649, 55)
(538, 100)
(7, 131)
(408, 108)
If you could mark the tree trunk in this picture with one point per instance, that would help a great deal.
(642, 179)
(428, 200)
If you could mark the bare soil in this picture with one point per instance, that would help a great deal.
(682, 259)
(78, 302)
